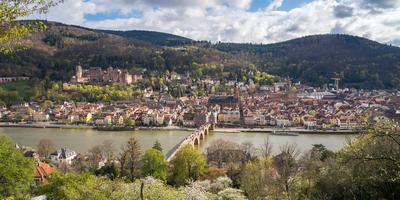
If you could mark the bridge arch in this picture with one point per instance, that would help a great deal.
(196, 141)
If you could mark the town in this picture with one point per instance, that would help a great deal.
(225, 104)
(239, 106)
(199, 100)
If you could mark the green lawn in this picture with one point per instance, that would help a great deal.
(24, 88)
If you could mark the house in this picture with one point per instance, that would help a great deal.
(159, 119)
(63, 155)
(42, 172)
(108, 120)
(283, 122)
(188, 119)
(223, 101)
(147, 120)
(310, 124)
(73, 118)
(230, 116)
(201, 119)
(249, 119)
(40, 117)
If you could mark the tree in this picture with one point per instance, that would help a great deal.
(259, 179)
(130, 159)
(154, 164)
(266, 148)
(320, 152)
(16, 171)
(287, 167)
(231, 194)
(64, 167)
(107, 150)
(87, 186)
(222, 152)
(12, 31)
(108, 170)
(94, 157)
(189, 164)
(250, 151)
(129, 122)
(157, 145)
(45, 147)
(367, 168)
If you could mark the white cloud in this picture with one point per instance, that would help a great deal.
(275, 4)
(230, 20)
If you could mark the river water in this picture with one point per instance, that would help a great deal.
(81, 140)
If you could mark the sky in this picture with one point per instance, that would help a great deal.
(249, 21)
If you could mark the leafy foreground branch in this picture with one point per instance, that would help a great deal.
(11, 31)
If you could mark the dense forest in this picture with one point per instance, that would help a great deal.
(53, 54)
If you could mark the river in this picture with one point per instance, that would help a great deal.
(81, 140)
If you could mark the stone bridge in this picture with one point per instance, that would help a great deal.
(193, 140)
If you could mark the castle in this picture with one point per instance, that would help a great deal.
(97, 75)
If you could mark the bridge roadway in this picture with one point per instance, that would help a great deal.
(192, 140)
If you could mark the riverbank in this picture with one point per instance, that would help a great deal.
(291, 129)
(63, 126)
(44, 125)
(177, 128)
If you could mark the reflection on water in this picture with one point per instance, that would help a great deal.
(304, 142)
(83, 139)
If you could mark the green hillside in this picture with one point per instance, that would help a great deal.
(153, 37)
(53, 54)
(315, 59)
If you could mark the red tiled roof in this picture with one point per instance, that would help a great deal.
(43, 170)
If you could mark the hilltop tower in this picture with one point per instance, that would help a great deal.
(79, 74)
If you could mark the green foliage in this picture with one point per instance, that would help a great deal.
(109, 170)
(73, 186)
(16, 171)
(231, 194)
(24, 90)
(130, 159)
(90, 93)
(54, 40)
(157, 145)
(154, 164)
(157, 38)
(368, 168)
(315, 59)
(130, 122)
(11, 32)
(265, 78)
(188, 165)
(259, 180)
(359, 62)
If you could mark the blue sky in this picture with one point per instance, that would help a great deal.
(255, 5)
(286, 5)
(256, 21)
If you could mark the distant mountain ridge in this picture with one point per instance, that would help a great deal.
(154, 37)
(359, 62)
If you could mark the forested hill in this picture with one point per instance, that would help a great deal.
(358, 61)
(153, 37)
(314, 59)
